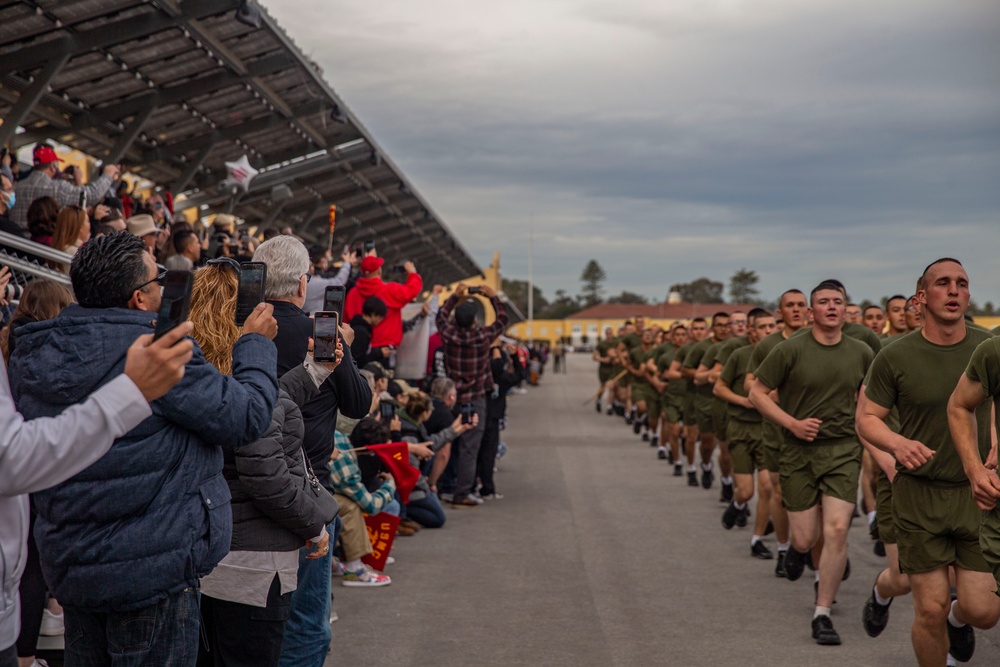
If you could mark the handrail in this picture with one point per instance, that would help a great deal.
(36, 249)
(35, 270)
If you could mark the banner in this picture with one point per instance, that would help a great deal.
(381, 533)
(411, 357)
(396, 457)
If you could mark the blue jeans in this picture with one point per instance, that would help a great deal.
(307, 633)
(393, 507)
(426, 511)
(165, 633)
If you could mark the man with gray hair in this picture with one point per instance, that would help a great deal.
(307, 634)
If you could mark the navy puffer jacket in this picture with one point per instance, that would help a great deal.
(153, 515)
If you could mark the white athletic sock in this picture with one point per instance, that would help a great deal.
(692, 468)
(821, 611)
(755, 539)
(950, 661)
(706, 466)
(739, 506)
(871, 517)
(727, 481)
(783, 546)
(817, 575)
(879, 599)
(354, 565)
(951, 617)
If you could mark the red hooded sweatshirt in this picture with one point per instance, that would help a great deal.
(396, 295)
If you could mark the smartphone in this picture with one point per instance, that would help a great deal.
(83, 199)
(387, 411)
(474, 290)
(325, 336)
(369, 246)
(175, 301)
(467, 410)
(333, 300)
(253, 275)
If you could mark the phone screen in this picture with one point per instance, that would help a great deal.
(333, 300)
(175, 301)
(467, 412)
(325, 336)
(387, 411)
(253, 275)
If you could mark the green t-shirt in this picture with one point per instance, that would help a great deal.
(666, 357)
(728, 347)
(733, 374)
(639, 357)
(917, 377)
(763, 348)
(984, 368)
(693, 359)
(602, 351)
(681, 357)
(820, 381)
(632, 340)
(995, 331)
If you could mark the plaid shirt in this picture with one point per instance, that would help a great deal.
(346, 477)
(38, 184)
(467, 351)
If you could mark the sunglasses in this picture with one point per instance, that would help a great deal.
(158, 280)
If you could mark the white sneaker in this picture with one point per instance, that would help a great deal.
(333, 617)
(446, 497)
(52, 624)
(390, 560)
(365, 577)
(493, 496)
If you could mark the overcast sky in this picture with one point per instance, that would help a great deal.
(676, 139)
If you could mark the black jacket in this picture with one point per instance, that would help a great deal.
(496, 404)
(345, 390)
(272, 509)
(361, 347)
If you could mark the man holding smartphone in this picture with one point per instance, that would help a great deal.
(467, 361)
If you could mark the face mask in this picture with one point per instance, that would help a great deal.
(11, 198)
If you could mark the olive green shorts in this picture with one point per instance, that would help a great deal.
(605, 373)
(703, 413)
(624, 380)
(772, 439)
(643, 392)
(809, 472)
(672, 407)
(989, 541)
(745, 447)
(690, 418)
(883, 509)
(720, 417)
(936, 526)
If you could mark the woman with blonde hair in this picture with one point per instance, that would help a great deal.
(72, 230)
(277, 503)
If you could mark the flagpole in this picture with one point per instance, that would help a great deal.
(531, 276)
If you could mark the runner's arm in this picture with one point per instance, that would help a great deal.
(803, 429)
(723, 391)
(967, 396)
(869, 422)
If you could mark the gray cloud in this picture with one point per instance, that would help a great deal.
(671, 140)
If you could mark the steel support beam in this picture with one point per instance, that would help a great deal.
(129, 136)
(32, 94)
(192, 168)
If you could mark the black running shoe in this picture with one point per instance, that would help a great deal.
(692, 478)
(875, 616)
(962, 641)
(759, 550)
(847, 570)
(636, 426)
(670, 456)
(707, 477)
(879, 548)
(678, 470)
(597, 404)
(795, 564)
(661, 454)
(741, 520)
(730, 516)
(727, 493)
(779, 567)
(645, 437)
(823, 632)
(629, 418)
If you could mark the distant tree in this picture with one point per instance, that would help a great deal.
(989, 309)
(866, 303)
(702, 290)
(593, 278)
(743, 286)
(560, 308)
(628, 297)
(517, 292)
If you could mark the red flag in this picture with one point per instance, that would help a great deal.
(396, 458)
(381, 533)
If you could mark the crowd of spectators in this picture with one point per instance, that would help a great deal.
(216, 479)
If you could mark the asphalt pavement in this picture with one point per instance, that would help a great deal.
(597, 555)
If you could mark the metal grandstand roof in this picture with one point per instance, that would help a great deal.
(174, 89)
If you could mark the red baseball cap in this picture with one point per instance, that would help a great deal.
(371, 264)
(45, 155)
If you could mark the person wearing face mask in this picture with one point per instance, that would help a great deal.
(7, 200)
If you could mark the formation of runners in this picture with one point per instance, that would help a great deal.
(818, 404)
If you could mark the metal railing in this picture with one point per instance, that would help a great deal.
(24, 258)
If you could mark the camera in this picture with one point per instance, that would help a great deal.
(474, 290)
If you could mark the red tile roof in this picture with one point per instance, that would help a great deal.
(659, 311)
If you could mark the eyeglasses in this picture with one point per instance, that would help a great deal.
(226, 261)
(308, 276)
(158, 280)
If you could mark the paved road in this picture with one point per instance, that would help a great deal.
(598, 556)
